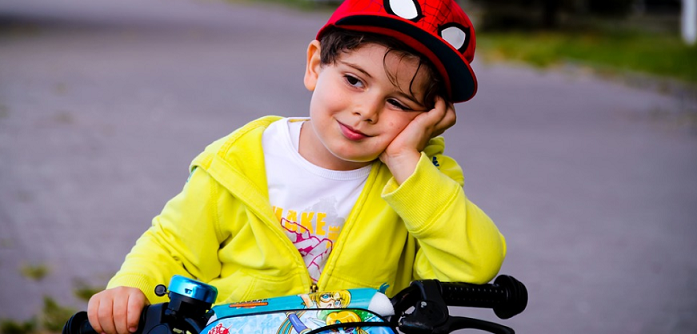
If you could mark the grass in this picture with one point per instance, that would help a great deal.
(54, 315)
(84, 291)
(50, 320)
(35, 272)
(652, 53)
(14, 327)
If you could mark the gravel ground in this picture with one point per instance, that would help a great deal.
(104, 103)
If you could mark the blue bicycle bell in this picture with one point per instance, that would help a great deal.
(192, 289)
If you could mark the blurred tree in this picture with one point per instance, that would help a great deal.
(547, 14)
(659, 6)
(550, 8)
(610, 7)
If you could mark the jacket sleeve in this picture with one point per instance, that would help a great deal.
(457, 241)
(182, 240)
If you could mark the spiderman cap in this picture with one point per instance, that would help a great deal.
(438, 29)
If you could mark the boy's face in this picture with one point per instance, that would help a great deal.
(356, 110)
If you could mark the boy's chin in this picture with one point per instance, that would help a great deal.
(356, 161)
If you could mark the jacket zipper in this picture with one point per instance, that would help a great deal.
(349, 221)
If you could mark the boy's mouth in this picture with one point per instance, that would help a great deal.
(351, 133)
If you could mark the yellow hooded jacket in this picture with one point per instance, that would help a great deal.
(221, 230)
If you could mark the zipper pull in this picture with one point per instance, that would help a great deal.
(313, 288)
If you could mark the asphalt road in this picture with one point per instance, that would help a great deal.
(104, 103)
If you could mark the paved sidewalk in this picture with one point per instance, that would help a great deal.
(104, 103)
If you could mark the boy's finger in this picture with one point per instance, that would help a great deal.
(106, 316)
(445, 123)
(443, 126)
(92, 308)
(443, 115)
(120, 314)
(440, 105)
(135, 308)
(431, 118)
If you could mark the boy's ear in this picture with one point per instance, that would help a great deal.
(313, 66)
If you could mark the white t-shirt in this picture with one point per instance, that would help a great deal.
(311, 203)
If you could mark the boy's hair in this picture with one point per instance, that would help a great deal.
(336, 41)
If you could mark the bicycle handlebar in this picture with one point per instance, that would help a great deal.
(507, 296)
(190, 300)
(78, 324)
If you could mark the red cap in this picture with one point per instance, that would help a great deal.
(438, 29)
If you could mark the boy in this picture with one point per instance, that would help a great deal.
(358, 195)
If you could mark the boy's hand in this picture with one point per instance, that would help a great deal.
(116, 310)
(403, 153)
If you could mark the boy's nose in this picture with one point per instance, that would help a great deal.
(368, 110)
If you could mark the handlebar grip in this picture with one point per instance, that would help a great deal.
(78, 324)
(507, 296)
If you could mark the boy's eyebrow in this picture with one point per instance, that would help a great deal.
(356, 67)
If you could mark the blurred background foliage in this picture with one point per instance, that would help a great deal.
(548, 14)
(610, 37)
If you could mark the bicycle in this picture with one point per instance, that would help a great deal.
(420, 308)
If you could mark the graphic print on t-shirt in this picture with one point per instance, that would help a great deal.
(310, 203)
(312, 234)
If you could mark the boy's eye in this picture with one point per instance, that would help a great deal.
(398, 104)
(353, 81)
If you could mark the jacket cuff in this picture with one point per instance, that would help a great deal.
(141, 282)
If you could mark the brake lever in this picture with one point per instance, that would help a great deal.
(430, 310)
(424, 320)
(431, 314)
